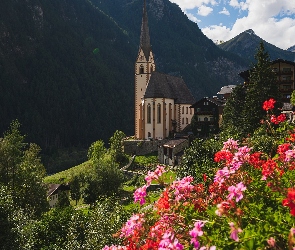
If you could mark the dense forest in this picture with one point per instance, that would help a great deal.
(66, 67)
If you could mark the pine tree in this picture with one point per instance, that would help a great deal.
(233, 110)
(261, 87)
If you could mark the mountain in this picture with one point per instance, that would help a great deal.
(292, 48)
(245, 45)
(67, 66)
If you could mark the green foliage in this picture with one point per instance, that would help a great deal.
(243, 111)
(262, 86)
(198, 159)
(96, 151)
(22, 171)
(292, 99)
(75, 189)
(116, 148)
(67, 175)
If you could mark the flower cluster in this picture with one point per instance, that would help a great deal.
(250, 190)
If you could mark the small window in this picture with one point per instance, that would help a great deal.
(141, 69)
(182, 110)
(190, 110)
(182, 120)
(186, 120)
(286, 69)
(187, 110)
(149, 135)
(159, 113)
(149, 113)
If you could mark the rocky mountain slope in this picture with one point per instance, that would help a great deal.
(246, 44)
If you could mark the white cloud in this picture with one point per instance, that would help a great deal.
(204, 10)
(192, 17)
(191, 4)
(224, 11)
(270, 19)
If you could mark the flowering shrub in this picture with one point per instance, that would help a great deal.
(248, 204)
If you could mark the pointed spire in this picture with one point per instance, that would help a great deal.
(145, 43)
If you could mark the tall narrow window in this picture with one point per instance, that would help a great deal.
(159, 113)
(141, 69)
(182, 120)
(187, 110)
(149, 115)
(182, 110)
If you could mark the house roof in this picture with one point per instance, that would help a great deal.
(166, 86)
(173, 143)
(216, 101)
(145, 43)
(53, 188)
(226, 89)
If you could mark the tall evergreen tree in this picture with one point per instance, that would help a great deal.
(233, 110)
(262, 86)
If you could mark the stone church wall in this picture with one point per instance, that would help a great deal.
(142, 147)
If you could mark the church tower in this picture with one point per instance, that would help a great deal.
(144, 66)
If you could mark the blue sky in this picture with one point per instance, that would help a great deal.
(221, 20)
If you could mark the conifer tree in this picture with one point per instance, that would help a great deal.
(261, 86)
(233, 110)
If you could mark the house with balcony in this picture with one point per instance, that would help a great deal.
(284, 73)
(207, 116)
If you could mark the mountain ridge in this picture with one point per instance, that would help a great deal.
(246, 43)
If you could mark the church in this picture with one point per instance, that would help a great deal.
(162, 102)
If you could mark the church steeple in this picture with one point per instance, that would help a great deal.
(145, 43)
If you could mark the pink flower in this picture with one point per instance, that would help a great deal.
(140, 194)
(289, 155)
(208, 248)
(133, 224)
(230, 145)
(236, 191)
(169, 242)
(154, 175)
(182, 188)
(221, 175)
(196, 232)
(271, 241)
(234, 232)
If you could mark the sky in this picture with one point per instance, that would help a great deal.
(221, 20)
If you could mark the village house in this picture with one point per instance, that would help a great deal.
(284, 73)
(54, 191)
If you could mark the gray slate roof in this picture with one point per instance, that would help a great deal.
(166, 86)
(145, 43)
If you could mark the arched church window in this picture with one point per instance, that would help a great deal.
(149, 113)
(159, 113)
(141, 69)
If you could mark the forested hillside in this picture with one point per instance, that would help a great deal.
(66, 67)
(61, 72)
